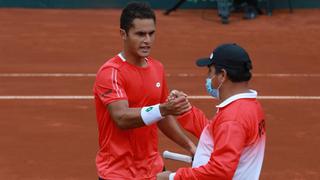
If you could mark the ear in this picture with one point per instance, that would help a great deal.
(224, 76)
(123, 34)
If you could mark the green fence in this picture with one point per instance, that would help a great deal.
(157, 4)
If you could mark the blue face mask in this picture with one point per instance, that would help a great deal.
(212, 91)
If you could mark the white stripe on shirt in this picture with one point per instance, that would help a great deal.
(116, 79)
(113, 81)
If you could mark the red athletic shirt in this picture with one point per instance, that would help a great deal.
(133, 153)
(231, 146)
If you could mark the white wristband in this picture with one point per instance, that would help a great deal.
(151, 114)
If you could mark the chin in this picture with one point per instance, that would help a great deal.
(144, 54)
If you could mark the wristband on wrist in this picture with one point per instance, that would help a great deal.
(150, 114)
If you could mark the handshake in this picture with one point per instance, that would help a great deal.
(177, 103)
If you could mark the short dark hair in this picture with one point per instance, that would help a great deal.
(133, 10)
(237, 74)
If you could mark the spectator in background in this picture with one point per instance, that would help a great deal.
(250, 8)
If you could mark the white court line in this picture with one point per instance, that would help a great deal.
(190, 97)
(269, 97)
(285, 75)
(45, 97)
(168, 75)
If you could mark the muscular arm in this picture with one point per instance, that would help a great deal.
(127, 118)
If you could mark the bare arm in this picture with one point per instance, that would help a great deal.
(127, 118)
(123, 116)
(172, 130)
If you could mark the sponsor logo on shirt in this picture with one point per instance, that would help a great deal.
(158, 84)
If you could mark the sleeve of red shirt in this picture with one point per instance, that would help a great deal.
(229, 140)
(109, 85)
(193, 121)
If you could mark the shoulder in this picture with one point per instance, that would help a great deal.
(244, 114)
(241, 110)
(113, 63)
(110, 69)
(154, 62)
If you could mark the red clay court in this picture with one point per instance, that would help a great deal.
(49, 58)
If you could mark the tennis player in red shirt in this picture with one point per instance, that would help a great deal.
(130, 95)
(232, 144)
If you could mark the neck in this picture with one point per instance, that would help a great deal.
(230, 89)
(134, 59)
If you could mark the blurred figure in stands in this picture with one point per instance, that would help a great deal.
(250, 8)
(225, 7)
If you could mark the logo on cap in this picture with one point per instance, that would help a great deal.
(211, 55)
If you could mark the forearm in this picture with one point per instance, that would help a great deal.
(129, 119)
(172, 130)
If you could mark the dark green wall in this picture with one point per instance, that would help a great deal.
(158, 4)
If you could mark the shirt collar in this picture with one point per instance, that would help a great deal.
(251, 94)
(124, 60)
(121, 57)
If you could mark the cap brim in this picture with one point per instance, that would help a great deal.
(204, 62)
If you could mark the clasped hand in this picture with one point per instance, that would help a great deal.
(177, 103)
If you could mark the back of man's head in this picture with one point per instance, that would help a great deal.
(135, 10)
